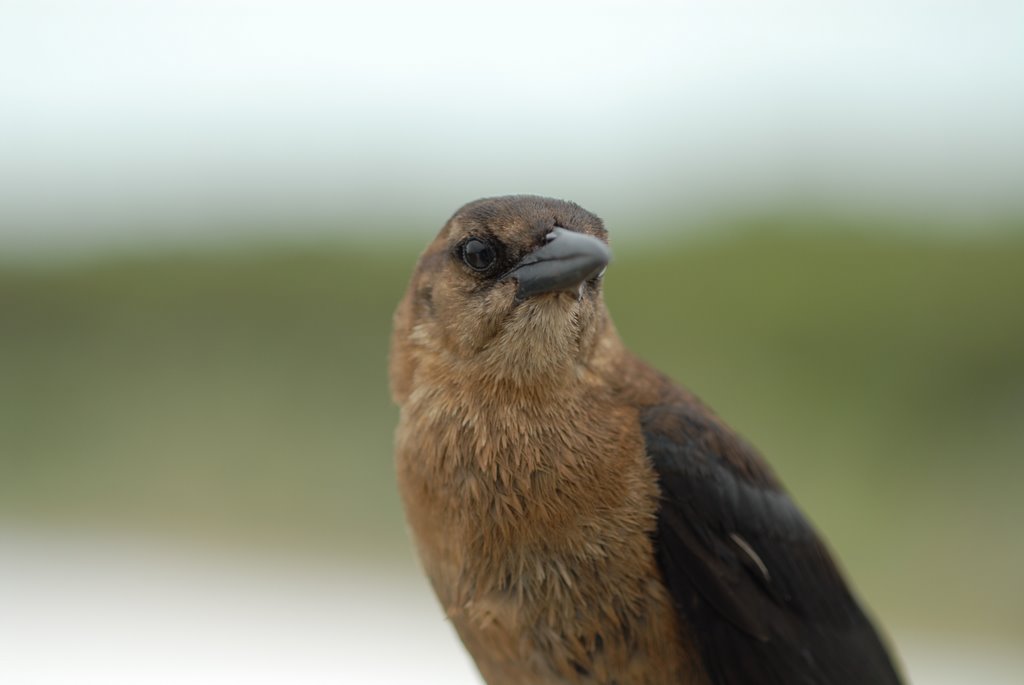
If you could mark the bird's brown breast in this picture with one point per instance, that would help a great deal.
(534, 524)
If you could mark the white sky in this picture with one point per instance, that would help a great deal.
(120, 118)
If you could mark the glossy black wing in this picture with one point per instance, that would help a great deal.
(749, 575)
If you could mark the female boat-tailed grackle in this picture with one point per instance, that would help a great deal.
(583, 519)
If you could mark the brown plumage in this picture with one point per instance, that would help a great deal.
(581, 518)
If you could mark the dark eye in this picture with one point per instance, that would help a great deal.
(478, 255)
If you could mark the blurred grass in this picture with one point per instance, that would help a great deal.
(244, 394)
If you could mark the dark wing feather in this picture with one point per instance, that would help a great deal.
(748, 573)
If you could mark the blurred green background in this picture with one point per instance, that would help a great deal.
(240, 395)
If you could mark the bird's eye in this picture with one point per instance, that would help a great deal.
(478, 255)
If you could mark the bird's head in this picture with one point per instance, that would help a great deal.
(510, 289)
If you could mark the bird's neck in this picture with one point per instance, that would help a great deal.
(534, 420)
(522, 372)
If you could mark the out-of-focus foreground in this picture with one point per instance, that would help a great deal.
(239, 400)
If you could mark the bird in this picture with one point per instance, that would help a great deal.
(582, 518)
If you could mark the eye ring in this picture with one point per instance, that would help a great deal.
(478, 255)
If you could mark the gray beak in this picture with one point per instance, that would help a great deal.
(562, 263)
